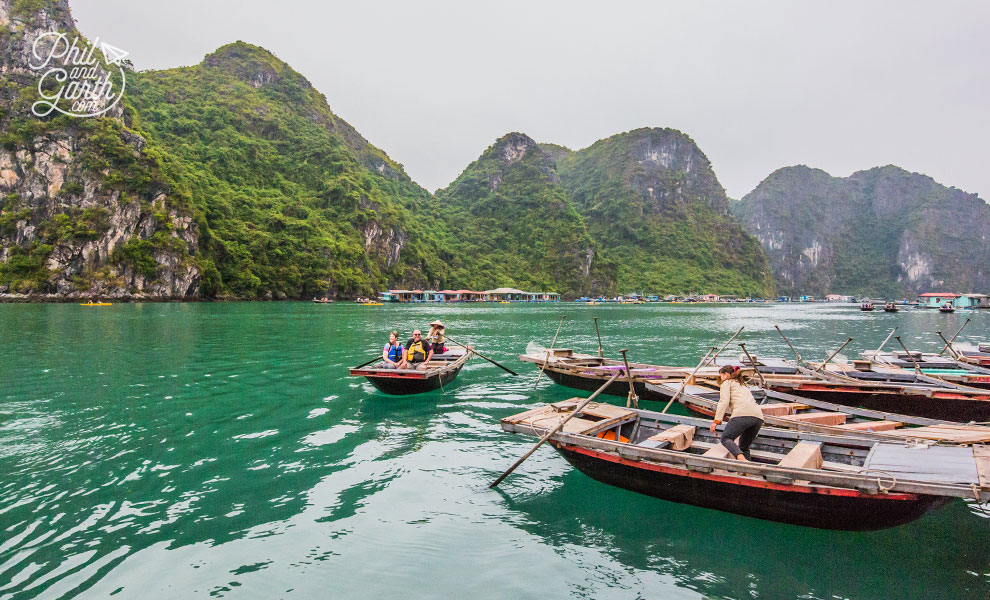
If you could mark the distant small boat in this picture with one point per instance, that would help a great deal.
(890, 307)
(97, 304)
(371, 304)
(866, 306)
(323, 301)
(947, 308)
(503, 302)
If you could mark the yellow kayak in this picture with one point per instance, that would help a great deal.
(97, 304)
(371, 304)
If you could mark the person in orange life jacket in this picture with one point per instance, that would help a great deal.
(436, 337)
(418, 350)
(394, 354)
(747, 418)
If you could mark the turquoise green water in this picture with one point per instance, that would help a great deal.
(198, 450)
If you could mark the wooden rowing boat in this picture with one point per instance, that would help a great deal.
(828, 482)
(941, 400)
(787, 411)
(437, 373)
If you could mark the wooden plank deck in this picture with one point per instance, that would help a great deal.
(940, 464)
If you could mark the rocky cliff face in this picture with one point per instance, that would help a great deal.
(71, 222)
(655, 206)
(508, 214)
(883, 232)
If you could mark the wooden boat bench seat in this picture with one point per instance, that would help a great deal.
(719, 451)
(872, 426)
(594, 418)
(678, 437)
(821, 418)
(804, 455)
(781, 409)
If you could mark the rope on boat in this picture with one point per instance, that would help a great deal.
(886, 489)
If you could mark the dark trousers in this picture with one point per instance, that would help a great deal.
(744, 428)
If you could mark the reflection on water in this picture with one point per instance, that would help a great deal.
(165, 450)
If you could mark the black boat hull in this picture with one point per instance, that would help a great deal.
(396, 386)
(960, 410)
(620, 387)
(781, 503)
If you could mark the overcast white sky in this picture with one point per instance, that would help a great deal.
(838, 85)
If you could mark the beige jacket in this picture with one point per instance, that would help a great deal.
(735, 399)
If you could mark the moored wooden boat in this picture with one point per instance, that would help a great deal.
(829, 482)
(787, 411)
(943, 401)
(440, 371)
(931, 365)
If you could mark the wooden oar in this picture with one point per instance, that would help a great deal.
(632, 399)
(949, 343)
(600, 351)
(547, 359)
(752, 361)
(917, 368)
(726, 344)
(689, 378)
(479, 354)
(702, 364)
(821, 367)
(788, 344)
(367, 363)
(559, 426)
(876, 353)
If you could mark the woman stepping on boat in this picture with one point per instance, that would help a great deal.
(747, 418)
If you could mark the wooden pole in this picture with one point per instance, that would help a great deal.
(601, 352)
(689, 378)
(889, 335)
(947, 344)
(821, 367)
(712, 359)
(788, 344)
(559, 426)
(917, 369)
(752, 361)
(631, 400)
(547, 360)
(367, 363)
(479, 354)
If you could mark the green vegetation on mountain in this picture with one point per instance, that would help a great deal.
(234, 179)
(655, 207)
(506, 220)
(883, 232)
(293, 201)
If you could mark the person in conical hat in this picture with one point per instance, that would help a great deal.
(436, 337)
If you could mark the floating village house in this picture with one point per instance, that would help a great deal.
(496, 295)
(937, 299)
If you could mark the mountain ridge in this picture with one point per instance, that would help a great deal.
(880, 231)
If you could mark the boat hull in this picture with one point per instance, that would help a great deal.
(949, 407)
(619, 387)
(404, 386)
(781, 503)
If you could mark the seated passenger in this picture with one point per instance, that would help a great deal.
(393, 354)
(436, 337)
(418, 351)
